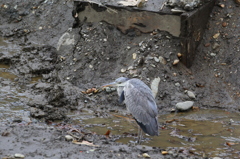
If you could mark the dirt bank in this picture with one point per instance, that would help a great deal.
(70, 60)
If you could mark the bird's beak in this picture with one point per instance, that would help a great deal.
(112, 84)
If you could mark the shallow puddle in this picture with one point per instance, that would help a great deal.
(12, 107)
(208, 132)
(8, 47)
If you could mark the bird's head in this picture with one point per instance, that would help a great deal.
(119, 82)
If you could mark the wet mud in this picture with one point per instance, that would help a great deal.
(46, 65)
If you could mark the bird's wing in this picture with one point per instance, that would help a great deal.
(140, 101)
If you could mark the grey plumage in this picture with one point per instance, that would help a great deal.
(140, 103)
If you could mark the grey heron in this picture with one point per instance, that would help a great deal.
(140, 103)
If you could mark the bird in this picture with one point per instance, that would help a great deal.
(140, 102)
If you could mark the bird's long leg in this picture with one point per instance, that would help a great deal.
(139, 140)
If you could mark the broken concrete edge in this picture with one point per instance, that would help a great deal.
(188, 26)
(127, 18)
(193, 26)
(151, 5)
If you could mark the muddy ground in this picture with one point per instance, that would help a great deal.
(70, 60)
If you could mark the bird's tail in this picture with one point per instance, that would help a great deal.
(151, 128)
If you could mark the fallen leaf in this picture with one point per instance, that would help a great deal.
(231, 143)
(230, 130)
(84, 143)
(170, 121)
(108, 133)
(91, 90)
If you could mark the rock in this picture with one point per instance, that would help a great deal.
(162, 60)
(207, 44)
(134, 56)
(153, 65)
(177, 84)
(154, 86)
(156, 59)
(215, 36)
(215, 46)
(37, 113)
(145, 155)
(175, 62)
(191, 94)
(179, 55)
(224, 24)
(108, 89)
(184, 105)
(222, 5)
(130, 68)
(164, 152)
(69, 137)
(18, 155)
(123, 70)
(212, 54)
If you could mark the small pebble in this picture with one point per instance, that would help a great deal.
(18, 155)
(68, 137)
(177, 84)
(215, 46)
(164, 152)
(191, 94)
(153, 65)
(113, 89)
(156, 59)
(222, 5)
(107, 89)
(40, 28)
(5, 6)
(123, 70)
(179, 55)
(207, 44)
(146, 155)
(215, 36)
(212, 54)
(162, 60)
(134, 55)
(224, 24)
(130, 68)
(175, 62)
